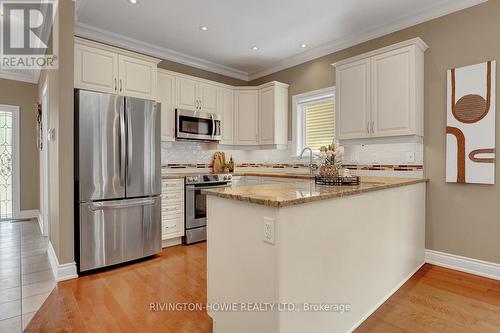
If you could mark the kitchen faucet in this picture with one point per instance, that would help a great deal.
(312, 166)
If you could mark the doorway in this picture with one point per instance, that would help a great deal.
(44, 174)
(9, 162)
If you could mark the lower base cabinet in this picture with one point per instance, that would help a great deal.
(172, 209)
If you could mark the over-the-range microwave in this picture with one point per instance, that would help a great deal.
(197, 125)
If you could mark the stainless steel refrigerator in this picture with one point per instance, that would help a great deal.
(117, 179)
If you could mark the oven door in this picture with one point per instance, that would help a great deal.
(197, 125)
(196, 204)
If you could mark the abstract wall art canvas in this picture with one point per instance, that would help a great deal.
(470, 130)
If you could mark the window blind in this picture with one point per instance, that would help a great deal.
(320, 124)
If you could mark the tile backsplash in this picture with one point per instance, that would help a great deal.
(181, 152)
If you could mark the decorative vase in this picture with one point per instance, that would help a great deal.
(329, 171)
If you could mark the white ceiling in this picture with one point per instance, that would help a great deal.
(169, 29)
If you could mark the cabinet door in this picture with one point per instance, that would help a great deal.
(225, 105)
(353, 100)
(207, 96)
(137, 77)
(393, 93)
(165, 95)
(186, 91)
(96, 69)
(246, 117)
(266, 116)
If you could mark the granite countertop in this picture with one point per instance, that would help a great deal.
(236, 174)
(289, 194)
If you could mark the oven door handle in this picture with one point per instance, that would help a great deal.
(192, 187)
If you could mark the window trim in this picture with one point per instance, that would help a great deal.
(298, 115)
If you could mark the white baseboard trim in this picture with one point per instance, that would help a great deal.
(383, 300)
(28, 214)
(463, 264)
(61, 271)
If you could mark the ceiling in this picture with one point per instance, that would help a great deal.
(169, 29)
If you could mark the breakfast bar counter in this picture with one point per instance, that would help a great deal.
(294, 246)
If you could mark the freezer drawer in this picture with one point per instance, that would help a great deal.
(113, 232)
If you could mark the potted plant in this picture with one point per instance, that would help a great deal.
(331, 160)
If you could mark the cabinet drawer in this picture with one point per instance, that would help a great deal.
(177, 184)
(172, 197)
(175, 226)
(171, 212)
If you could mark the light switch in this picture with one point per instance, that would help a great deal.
(410, 157)
(51, 134)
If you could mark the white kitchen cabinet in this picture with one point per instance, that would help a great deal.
(225, 109)
(273, 114)
(103, 68)
(166, 96)
(137, 77)
(353, 100)
(380, 93)
(96, 69)
(172, 209)
(196, 95)
(246, 113)
(395, 86)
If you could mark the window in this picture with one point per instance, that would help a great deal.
(313, 119)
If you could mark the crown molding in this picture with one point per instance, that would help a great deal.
(441, 9)
(23, 75)
(104, 36)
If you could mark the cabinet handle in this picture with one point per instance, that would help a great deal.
(368, 127)
(116, 85)
(372, 127)
(121, 85)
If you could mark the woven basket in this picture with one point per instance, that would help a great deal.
(329, 171)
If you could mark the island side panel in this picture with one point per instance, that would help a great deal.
(358, 250)
(241, 267)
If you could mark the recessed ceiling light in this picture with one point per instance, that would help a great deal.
(255, 48)
(303, 46)
(203, 28)
(132, 1)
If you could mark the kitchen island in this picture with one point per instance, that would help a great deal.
(301, 257)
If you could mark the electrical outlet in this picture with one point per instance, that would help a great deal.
(269, 230)
(410, 157)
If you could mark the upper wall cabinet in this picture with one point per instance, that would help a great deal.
(107, 69)
(380, 94)
(273, 114)
(261, 114)
(246, 116)
(166, 96)
(225, 103)
(196, 95)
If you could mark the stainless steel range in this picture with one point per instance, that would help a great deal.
(196, 204)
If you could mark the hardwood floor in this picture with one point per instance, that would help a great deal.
(433, 300)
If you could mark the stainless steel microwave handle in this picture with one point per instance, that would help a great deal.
(192, 187)
(119, 205)
(213, 125)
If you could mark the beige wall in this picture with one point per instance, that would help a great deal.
(61, 185)
(461, 219)
(24, 95)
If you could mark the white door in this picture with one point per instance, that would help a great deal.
(207, 96)
(266, 116)
(187, 96)
(246, 117)
(225, 106)
(96, 69)
(45, 160)
(393, 92)
(137, 77)
(9, 161)
(353, 100)
(165, 95)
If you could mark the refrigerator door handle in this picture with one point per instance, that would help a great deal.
(120, 205)
(122, 144)
(130, 142)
